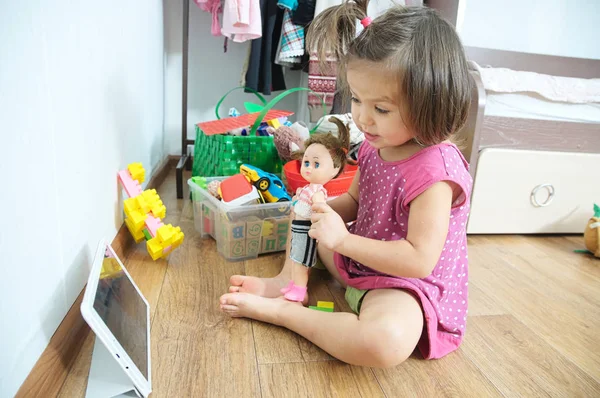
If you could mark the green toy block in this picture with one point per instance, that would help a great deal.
(312, 307)
(269, 244)
(281, 242)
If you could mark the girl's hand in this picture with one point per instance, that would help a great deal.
(327, 226)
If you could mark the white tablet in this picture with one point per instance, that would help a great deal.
(119, 315)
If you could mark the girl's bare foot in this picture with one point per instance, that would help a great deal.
(252, 306)
(265, 287)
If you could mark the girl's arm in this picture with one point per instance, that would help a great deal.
(346, 205)
(417, 256)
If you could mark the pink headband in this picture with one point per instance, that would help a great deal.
(366, 21)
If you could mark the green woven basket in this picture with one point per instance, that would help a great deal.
(222, 155)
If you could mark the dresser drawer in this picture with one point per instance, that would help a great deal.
(526, 191)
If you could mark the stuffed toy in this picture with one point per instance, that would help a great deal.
(289, 139)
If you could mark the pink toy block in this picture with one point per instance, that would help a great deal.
(131, 186)
(153, 225)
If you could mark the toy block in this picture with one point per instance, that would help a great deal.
(131, 186)
(234, 187)
(167, 238)
(154, 203)
(281, 242)
(283, 226)
(137, 233)
(234, 230)
(324, 309)
(153, 225)
(253, 227)
(268, 227)
(208, 226)
(325, 304)
(237, 249)
(137, 172)
(252, 247)
(269, 244)
(222, 230)
(274, 123)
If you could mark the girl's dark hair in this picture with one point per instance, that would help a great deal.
(337, 146)
(418, 45)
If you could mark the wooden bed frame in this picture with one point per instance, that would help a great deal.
(482, 131)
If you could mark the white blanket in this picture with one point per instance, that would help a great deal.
(554, 88)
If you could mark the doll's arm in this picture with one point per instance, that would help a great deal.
(318, 197)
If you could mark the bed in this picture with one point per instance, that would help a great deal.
(534, 155)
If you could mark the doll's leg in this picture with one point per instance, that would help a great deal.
(303, 252)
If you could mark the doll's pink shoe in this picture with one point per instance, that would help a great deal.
(296, 293)
(286, 289)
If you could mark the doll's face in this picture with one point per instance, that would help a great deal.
(317, 165)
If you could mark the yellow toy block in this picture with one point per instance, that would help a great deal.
(137, 172)
(274, 123)
(154, 248)
(143, 212)
(154, 203)
(325, 304)
(137, 233)
(133, 212)
(267, 228)
(167, 238)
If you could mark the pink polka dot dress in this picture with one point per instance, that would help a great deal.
(385, 192)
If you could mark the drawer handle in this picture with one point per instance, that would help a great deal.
(549, 188)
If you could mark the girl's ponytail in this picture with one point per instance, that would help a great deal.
(332, 31)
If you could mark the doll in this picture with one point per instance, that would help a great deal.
(322, 160)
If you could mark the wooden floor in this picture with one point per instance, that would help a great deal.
(533, 327)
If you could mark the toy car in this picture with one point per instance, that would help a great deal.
(269, 185)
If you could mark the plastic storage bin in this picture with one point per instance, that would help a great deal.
(241, 232)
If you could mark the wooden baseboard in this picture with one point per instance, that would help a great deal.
(50, 371)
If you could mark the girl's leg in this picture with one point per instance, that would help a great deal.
(326, 257)
(384, 335)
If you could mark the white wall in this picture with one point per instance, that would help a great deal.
(551, 27)
(211, 74)
(81, 96)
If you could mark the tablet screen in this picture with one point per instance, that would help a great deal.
(119, 305)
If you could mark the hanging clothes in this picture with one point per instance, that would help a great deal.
(305, 12)
(291, 45)
(241, 20)
(263, 74)
(322, 81)
(214, 7)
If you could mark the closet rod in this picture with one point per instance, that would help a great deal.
(185, 160)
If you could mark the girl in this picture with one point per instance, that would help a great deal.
(403, 261)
